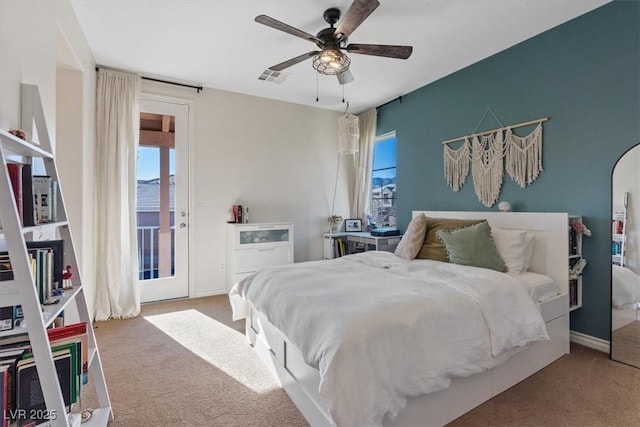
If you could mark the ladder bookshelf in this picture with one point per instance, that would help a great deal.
(21, 290)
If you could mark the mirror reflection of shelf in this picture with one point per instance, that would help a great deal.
(619, 234)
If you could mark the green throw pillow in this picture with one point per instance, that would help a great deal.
(472, 246)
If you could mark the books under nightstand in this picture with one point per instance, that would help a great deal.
(339, 244)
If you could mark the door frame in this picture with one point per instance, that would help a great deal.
(189, 105)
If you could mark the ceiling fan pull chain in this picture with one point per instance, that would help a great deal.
(343, 98)
(317, 99)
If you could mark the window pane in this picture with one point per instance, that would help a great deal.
(383, 183)
(384, 153)
(155, 226)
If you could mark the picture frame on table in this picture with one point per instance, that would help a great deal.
(352, 225)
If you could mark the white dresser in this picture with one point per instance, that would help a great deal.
(251, 247)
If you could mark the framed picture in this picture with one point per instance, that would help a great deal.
(352, 225)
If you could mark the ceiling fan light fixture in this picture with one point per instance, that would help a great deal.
(331, 62)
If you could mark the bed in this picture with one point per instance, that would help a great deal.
(625, 296)
(370, 369)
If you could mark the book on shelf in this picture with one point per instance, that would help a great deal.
(15, 175)
(240, 214)
(4, 395)
(46, 260)
(28, 212)
(44, 193)
(30, 404)
(57, 247)
(340, 247)
(18, 315)
(615, 248)
(74, 333)
(6, 318)
(9, 358)
(617, 226)
(573, 292)
(6, 271)
(573, 241)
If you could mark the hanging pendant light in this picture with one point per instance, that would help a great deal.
(348, 133)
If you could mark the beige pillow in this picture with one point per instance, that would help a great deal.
(528, 252)
(511, 245)
(413, 238)
(433, 248)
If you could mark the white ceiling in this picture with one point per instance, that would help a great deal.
(217, 43)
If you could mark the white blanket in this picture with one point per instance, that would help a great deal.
(625, 287)
(380, 328)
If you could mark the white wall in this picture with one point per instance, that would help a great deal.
(626, 178)
(277, 158)
(30, 51)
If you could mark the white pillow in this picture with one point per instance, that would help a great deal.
(528, 252)
(511, 245)
(412, 239)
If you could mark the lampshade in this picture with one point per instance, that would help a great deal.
(348, 134)
(331, 61)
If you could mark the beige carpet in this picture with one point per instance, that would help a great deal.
(626, 344)
(184, 363)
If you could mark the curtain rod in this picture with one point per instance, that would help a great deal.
(389, 102)
(197, 88)
(517, 125)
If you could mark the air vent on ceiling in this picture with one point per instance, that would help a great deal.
(273, 76)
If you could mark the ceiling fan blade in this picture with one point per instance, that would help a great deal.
(293, 61)
(356, 14)
(274, 23)
(389, 51)
(345, 77)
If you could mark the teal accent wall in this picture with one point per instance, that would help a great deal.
(585, 76)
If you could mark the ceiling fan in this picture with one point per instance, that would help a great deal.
(330, 60)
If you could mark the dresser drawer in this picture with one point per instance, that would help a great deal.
(263, 235)
(249, 260)
(251, 247)
(554, 307)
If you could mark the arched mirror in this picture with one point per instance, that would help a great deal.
(625, 259)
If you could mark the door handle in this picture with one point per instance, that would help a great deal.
(183, 225)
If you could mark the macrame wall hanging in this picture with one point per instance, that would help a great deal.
(486, 151)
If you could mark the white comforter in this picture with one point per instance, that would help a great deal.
(625, 288)
(380, 328)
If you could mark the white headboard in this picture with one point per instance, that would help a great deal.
(551, 248)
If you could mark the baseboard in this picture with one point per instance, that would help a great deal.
(589, 341)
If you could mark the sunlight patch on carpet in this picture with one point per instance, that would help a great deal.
(217, 344)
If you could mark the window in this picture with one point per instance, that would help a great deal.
(383, 181)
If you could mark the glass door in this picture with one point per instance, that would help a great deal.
(162, 200)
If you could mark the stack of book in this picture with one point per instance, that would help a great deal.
(240, 214)
(20, 391)
(47, 259)
(35, 195)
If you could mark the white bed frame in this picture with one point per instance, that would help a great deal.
(550, 257)
(620, 318)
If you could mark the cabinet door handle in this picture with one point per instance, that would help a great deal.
(267, 249)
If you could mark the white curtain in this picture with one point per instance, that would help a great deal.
(118, 126)
(363, 165)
